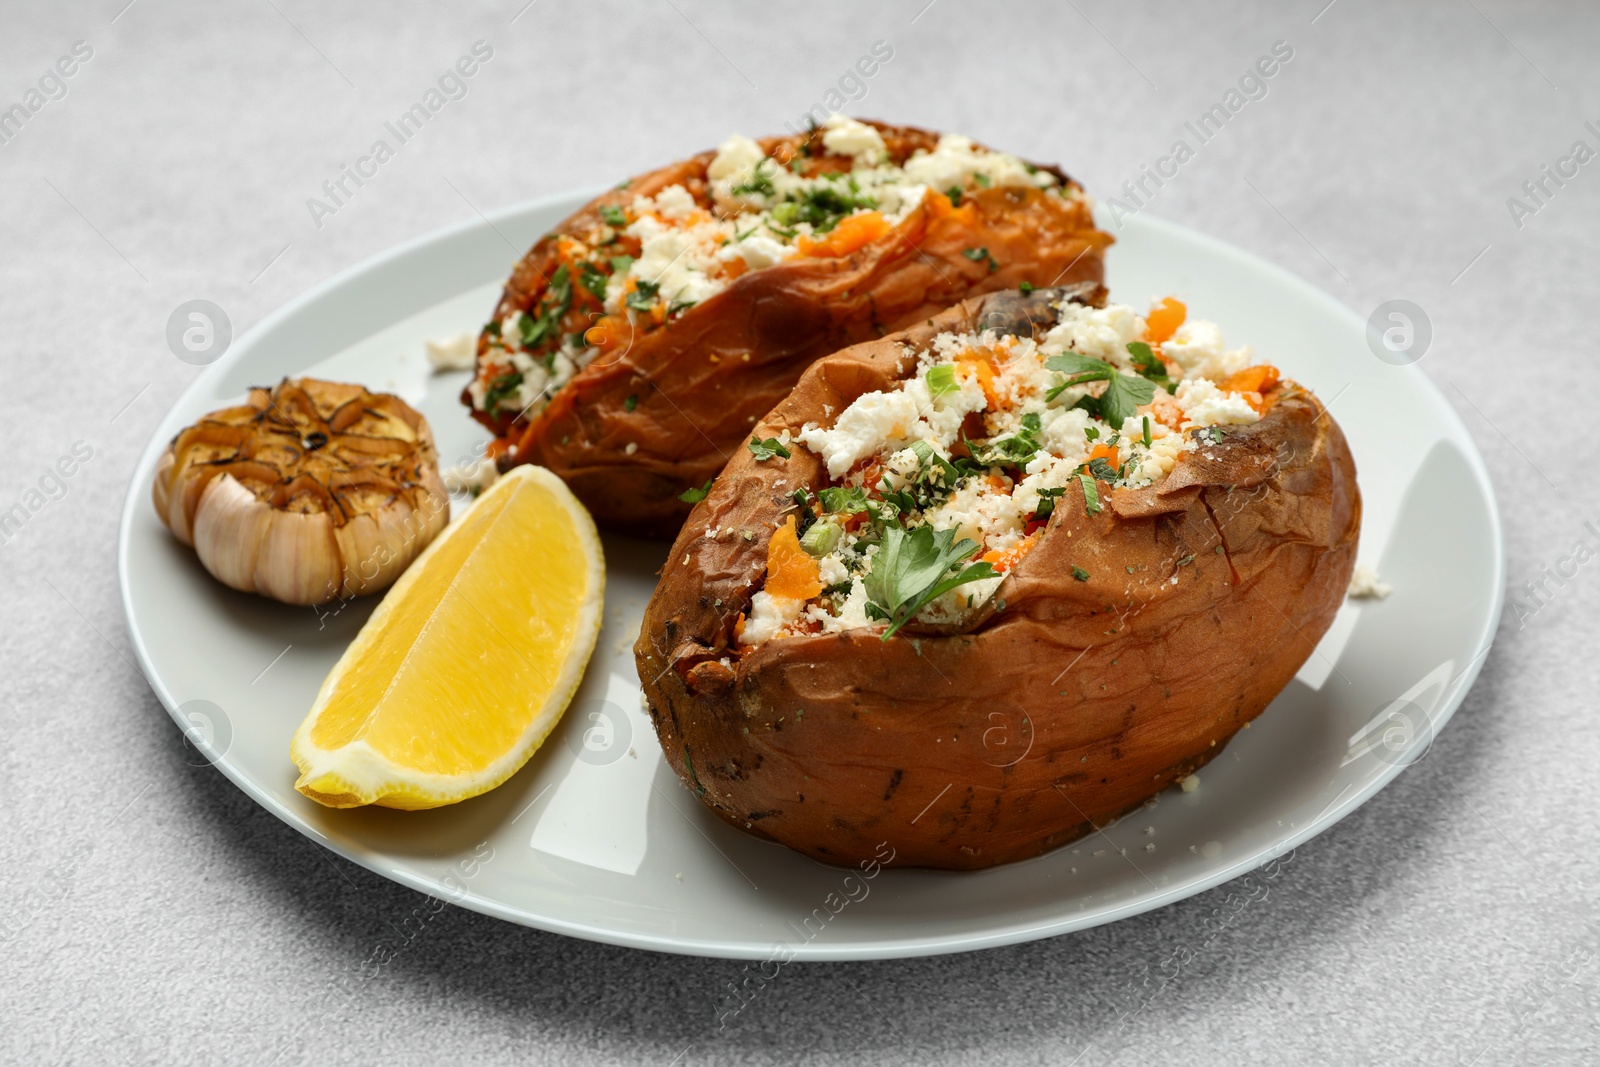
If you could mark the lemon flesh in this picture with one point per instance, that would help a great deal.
(468, 663)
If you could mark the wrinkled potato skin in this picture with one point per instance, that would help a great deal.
(702, 380)
(1072, 705)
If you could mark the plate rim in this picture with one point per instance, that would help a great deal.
(899, 947)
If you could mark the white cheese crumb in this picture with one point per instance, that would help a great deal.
(1366, 585)
(844, 136)
(768, 615)
(452, 353)
(1189, 784)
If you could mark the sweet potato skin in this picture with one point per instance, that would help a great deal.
(700, 382)
(1045, 718)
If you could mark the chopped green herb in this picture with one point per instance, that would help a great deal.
(982, 180)
(1047, 502)
(1186, 560)
(821, 538)
(492, 328)
(630, 403)
(954, 193)
(612, 215)
(593, 280)
(765, 450)
(760, 183)
(501, 388)
(979, 255)
(824, 205)
(620, 264)
(1081, 575)
(942, 380)
(643, 298)
(1091, 495)
(694, 496)
(1025, 288)
(845, 499)
(1147, 431)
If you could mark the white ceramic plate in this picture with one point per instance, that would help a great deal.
(597, 839)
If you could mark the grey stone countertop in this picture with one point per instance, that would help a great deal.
(151, 913)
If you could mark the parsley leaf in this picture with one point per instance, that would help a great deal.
(911, 567)
(1148, 364)
(765, 450)
(1025, 288)
(612, 215)
(954, 193)
(694, 496)
(630, 403)
(1124, 392)
(1080, 574)
(620, 264)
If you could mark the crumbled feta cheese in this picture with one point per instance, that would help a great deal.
(878, 420)
(1103, 333)
(768, 614)
(758, 251)
(1206, 405)
(1197, 348)
(956, 160)
(452, 353)
(1366, 585)
(735, 157)
(981, 513)
(846, 137)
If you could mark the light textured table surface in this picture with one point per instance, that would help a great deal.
(151, 913)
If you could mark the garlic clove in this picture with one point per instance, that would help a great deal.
(227, 525)
(298, 561)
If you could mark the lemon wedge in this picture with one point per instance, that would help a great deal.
(467, 665)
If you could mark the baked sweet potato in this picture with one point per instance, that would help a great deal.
(635, 346)
(1139, 591)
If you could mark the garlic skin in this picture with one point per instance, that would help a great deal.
(314, 491)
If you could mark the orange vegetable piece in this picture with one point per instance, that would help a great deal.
(791, 572)
(980, 361)
(1258, 379)
(1107, 453)
(1004, 561)
(1164, 320)
(1165, 410)
(852, 233)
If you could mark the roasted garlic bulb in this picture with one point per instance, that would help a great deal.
(310, 492)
